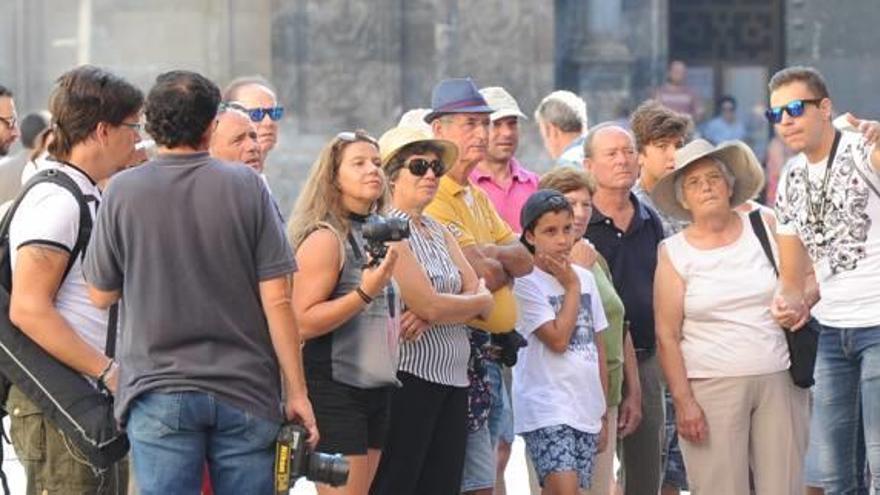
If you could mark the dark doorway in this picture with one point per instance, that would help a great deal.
(731, 47)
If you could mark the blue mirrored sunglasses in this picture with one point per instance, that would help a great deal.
(258, 114)
(794, 108)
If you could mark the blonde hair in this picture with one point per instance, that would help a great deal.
(319, 204)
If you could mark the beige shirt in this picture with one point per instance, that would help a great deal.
(727, 329)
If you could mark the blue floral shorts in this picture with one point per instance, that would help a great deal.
(562, 448)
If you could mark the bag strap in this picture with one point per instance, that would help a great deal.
(112, 327)
(761, 232)
(54, 176)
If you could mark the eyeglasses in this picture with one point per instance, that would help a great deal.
(135, 126)
(258, 114)
(420, 166)
(10, 122)
(794, 109)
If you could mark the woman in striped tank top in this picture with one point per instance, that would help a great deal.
(424, 452)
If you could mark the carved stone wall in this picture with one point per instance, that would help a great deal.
(345, 63)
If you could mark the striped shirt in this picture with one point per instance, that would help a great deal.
(441, 354)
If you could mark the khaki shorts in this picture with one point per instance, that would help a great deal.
(50, 463)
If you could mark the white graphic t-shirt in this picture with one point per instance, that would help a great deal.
(839, 228)
(550, 388)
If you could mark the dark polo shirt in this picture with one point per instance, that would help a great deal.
(632, 257)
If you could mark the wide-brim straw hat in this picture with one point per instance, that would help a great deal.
(736, 155)
(397, 138)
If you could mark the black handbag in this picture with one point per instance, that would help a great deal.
(69, 401)
(804, 343)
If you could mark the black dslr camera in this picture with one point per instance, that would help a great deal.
(293, 459)
(380, 230)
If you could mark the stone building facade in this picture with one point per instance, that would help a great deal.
(345, 64)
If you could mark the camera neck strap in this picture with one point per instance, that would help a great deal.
(358, 252)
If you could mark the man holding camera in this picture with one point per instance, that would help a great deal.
(460, 114)
(199, 251)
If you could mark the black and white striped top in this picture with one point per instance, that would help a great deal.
(441, 354)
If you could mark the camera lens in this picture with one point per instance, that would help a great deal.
(329, 469)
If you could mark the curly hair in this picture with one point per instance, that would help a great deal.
(84, 97)
(180, 108)
(653, 121)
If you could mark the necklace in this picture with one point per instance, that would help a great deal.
(816, 210)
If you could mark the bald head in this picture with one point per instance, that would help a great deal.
(235, 140)
(602, 131)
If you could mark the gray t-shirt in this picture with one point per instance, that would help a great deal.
(188, 239)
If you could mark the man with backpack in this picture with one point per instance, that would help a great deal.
(95, 123)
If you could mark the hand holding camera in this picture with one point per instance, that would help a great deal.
(295, 459)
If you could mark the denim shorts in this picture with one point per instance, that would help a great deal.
(562, 448)
(479, 461)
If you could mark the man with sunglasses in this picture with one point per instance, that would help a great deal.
(460, 114)
(828, 207)
(261, 104)
(8, 121)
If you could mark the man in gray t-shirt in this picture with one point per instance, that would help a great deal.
(199, 252)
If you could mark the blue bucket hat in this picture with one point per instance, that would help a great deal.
(456, 96)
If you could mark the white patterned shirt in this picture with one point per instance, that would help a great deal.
(844, 241)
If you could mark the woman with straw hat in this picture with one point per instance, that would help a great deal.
(724, 357)
(425, 450)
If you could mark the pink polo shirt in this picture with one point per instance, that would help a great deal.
(510, 200)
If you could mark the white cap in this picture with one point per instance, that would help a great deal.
(504, 104)
(415, 119)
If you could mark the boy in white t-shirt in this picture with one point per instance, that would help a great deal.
(560, 381)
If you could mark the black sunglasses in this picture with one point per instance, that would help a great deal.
(795, 109)
(420, 166)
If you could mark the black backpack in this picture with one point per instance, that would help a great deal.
(82, 413)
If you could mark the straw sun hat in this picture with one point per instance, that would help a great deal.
(736, 155)
(397, 138)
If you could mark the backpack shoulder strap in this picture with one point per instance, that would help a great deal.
(60, 179)
(760, 231)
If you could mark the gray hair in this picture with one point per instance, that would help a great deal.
(591, 135)
(678, 185)
(565, 110)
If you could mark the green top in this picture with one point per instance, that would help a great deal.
(612, 337)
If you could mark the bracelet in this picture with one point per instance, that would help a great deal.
(104, 373)
(363, 295)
